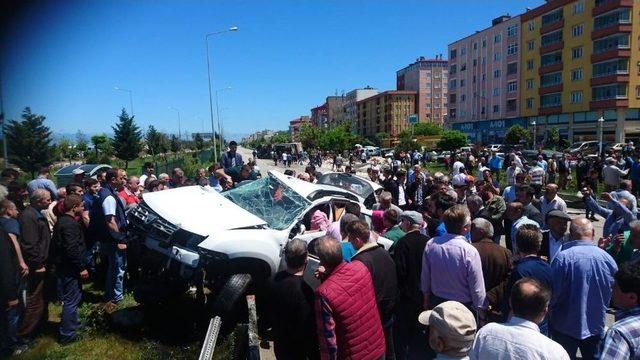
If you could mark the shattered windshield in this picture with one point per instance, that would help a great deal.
(269, 200)
(348, 182)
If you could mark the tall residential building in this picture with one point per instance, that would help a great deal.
(295, 125)
(580, 62)
(387, 112)
(350, 107)
(484, 81)
(319, 116)
(335, 110)
(429, 79)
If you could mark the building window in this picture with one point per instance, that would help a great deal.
(497, 38)
(497, 56)
(453, 54)
(529, 64)
(529, 103)
(463, 97)
(530, 83)
(608, 92)
(551, 59)
(577, 30)
(512, 30)
(475, 62)
(496, 109)
(552, 79)
(463, 67)
(551, 38)
(473, 80)
(484, 43)
(638, 65)
(578, 7)
(552, 18)
(576, 74)
(621, 16)
(452, 98)
(532, 25)
(496, 91)
(551, 100)
(576, 53)
(453, 69)
(512, 86)
(512, 49)
(531, 45)
(512, 68)
(484, 77)
(576, 97)
(475, 46)
(463, 51)
(496, 73)
(619, 41)
(452, 84)
(511, 105)
(462, 82)
(611, 67)
(638, 91)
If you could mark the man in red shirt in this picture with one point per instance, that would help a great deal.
(130, 192)
(348, 321)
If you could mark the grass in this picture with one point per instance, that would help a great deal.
(102, 339)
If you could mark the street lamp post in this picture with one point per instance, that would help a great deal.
(534, 134)
(179, 129)
(130, 97)
(218, 116)
(213, 132)
(600, 131)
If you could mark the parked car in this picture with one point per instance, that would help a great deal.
(495, 147)
(198, 237)
(442, 156)
(583, 148)
(65, 175)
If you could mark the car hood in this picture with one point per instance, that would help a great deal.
(200, 210)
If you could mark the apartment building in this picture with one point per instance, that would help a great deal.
(350, 106)
(429, 79)
(580, 62)
(387, 112)
(296, 124)
(484, 80)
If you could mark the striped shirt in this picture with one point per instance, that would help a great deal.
(536, 173)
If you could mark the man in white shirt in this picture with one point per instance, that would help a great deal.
(514, 213)
(611, 175)
(457, 166)
(520, 337)
(551, 201)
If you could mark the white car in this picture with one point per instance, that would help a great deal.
(366, 190)
(202, 238)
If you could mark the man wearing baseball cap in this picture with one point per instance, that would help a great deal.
(452, 329)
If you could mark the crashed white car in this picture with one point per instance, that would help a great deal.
(366, 190)
(198, 237)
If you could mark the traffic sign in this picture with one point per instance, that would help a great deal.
(413, 119)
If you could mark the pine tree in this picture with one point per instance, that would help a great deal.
(126, 139)
(29, 142)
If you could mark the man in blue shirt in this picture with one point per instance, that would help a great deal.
(622, 340)
(495, 165)
(43, 182)
(618, 215)
(582, 280)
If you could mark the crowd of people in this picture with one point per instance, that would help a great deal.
(449, 287)
(475, 270)
(54, 239)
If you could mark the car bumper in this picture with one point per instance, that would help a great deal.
(184, 256)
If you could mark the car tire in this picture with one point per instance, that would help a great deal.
(235, 287)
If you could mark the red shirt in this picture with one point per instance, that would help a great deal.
(128, 197)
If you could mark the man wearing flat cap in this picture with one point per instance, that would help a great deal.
(552, 239)
(452, 328)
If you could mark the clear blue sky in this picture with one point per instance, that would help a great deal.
(63, 58)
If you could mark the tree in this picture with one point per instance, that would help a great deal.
(176, 144)
(29, 142)
(126, 138)
(308, 135)
(153, 140)
(427, 129)
(516, 134)
(452, 140)
(336, 139)
(553, 138)
(405, 142)
(81, 144)
(100, 143)
(66, 149)
(281, 137)
(199, 142)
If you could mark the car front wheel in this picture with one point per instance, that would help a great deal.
(232, 290)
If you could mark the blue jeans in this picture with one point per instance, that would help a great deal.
(9, 328)
(589, 347)
(90, 257)
(115, 272)
(70, 294)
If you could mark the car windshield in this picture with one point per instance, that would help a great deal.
(348, 182)
(270, 200)
(575, 146)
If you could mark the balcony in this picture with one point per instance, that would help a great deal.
(550, 110)
(604, 6)
(609, 79)
(611, 54)
(610, 30)
(552, 47)
(551, 27)
(550, 89)
(608, 104)
(550, 68)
